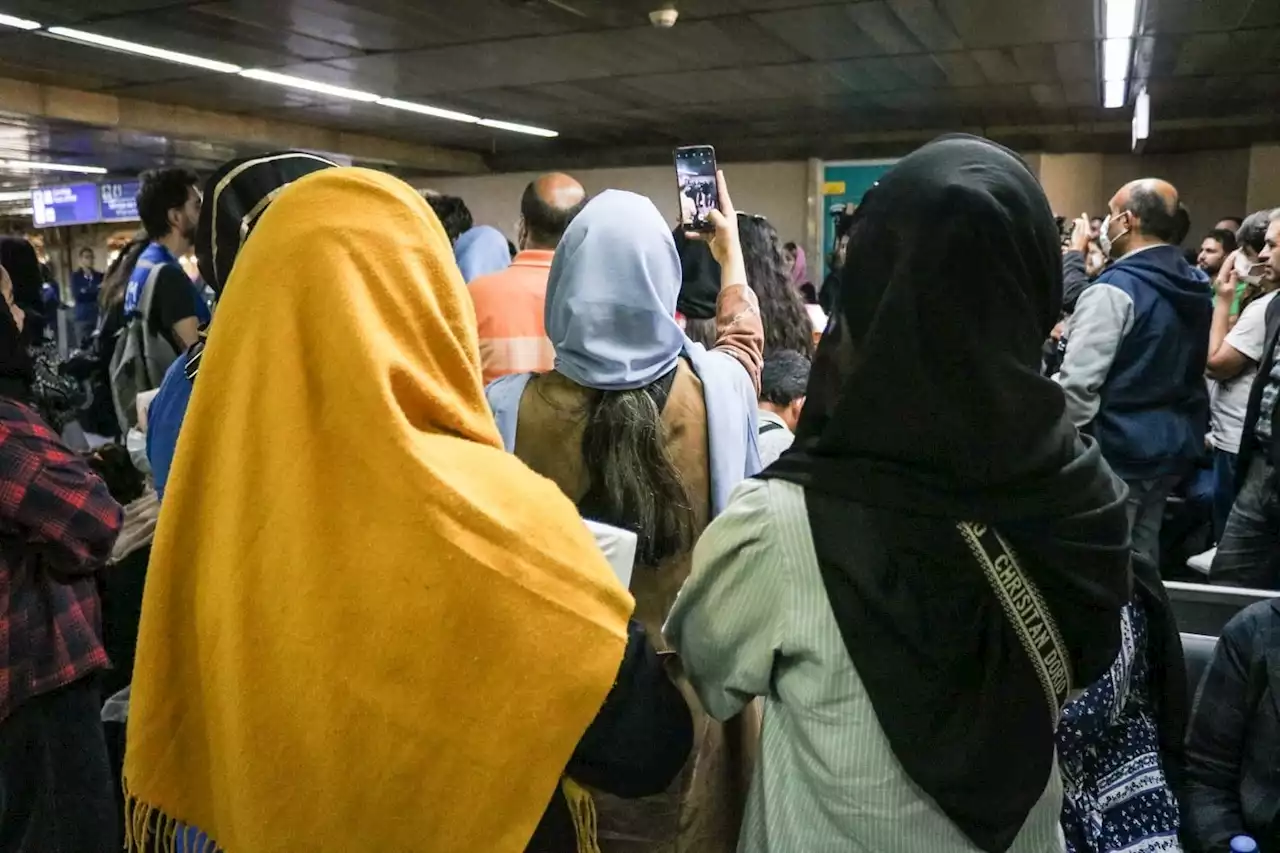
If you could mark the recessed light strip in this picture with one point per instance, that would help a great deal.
(144, 50)
(18, 23)
(265, 76)
(36, 166)
(1117, 50)
(308, 85)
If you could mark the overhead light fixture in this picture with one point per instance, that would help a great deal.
(265, 76)
(308, 85)
(1117, 50)
(1141, 120)
(19, 23)
(423, 109)
(144, 50)
(19, 195)
(36, 166)
(518, 128)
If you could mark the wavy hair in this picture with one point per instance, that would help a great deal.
(786, 323)
(634, 483)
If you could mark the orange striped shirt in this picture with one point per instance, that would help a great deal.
(509, 306)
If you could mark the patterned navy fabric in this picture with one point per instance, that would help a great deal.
(57, 526)
(1116, 798)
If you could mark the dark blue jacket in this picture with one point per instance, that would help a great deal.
(1153, 408)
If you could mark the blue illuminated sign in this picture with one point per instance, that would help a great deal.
(76, 204)
(119, 201)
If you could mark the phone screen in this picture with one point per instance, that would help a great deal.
(696, 179)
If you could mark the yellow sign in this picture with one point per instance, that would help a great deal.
(833, 188)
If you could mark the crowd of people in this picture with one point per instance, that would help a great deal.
(896, 579)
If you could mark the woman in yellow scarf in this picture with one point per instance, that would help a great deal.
(366, 627)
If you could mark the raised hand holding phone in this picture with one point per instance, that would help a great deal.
(723, 239)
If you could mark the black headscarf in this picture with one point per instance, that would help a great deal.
(18, 256)
(699, 278)
(235, 197)
(926, 408)
(16, 370)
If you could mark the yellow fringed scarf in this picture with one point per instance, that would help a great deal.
(365, 626)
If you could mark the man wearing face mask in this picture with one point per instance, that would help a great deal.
(1133, 372)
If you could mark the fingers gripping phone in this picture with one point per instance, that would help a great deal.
(696, 182)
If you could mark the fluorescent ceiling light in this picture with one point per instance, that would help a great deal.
(20, 195)
(518, 128)
(1117, 50)
(144, 50)
(35, 166)
(19, 23)
(425, 110)
(308, 85)
(1113, 93)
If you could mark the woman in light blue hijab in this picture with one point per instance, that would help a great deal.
(645, 430)
(482, 250)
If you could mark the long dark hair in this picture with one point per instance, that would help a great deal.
(633, 484)
(786, 323)
(118, 274)
(19, 258)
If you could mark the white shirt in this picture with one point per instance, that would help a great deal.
(1231, 398)
(774, 440)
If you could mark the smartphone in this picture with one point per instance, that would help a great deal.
(696, 182)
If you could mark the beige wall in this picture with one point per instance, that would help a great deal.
(776, 190)
(1073, 183)
(1264, 177)
(1213, 184)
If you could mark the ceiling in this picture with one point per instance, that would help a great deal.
(756, 78)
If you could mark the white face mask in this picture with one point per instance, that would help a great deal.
(1250, 272)
(1105, 240)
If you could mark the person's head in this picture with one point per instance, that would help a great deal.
(1251, 236)
(453, 214)
(699, 288)
(782, 385)
(786, 323)
(952, 284)
(16, 373)
(86, 259)
(1143, 213)
(1270, 254)
(1214, 248)
(19, 258)
(481, 251)
(794, 264)
(1095, 260)
(235, 197)
(1095, 226)
(547, 207)
(1229, 223)
(169, 206)
(610, 314)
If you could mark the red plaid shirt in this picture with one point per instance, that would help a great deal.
(57, 526)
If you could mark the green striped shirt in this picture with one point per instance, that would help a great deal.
(753, 620)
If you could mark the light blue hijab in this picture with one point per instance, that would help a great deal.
(610, 314)
(480, 251)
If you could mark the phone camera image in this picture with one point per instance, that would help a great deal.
(696, 179)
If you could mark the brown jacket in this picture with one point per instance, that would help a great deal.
(702, 811)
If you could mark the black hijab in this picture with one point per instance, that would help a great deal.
(18, 256)
(699, 278)
(235, 197)
(926, 408)
(16, 370)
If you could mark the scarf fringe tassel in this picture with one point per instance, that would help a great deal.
(582, 809)
(149, 830)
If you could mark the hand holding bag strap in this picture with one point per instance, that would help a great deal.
(1026, 609)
